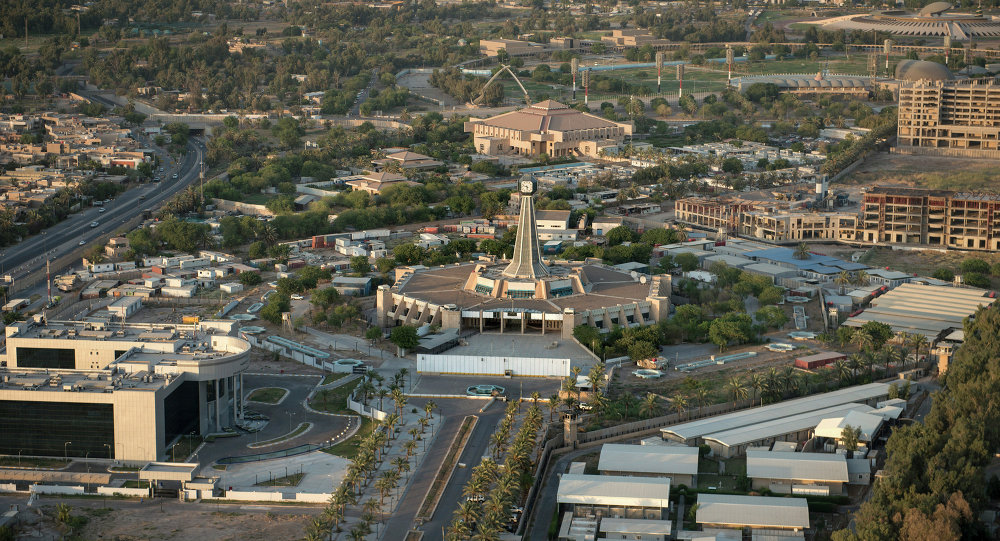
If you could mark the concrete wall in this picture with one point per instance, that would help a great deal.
(55, 489)
(242, 496)
(134, 492)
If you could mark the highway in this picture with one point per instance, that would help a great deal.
(64, 238)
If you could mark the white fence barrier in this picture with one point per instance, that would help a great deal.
(55, 489)
(493, 366)
(253, 496)
(133, 492)
(8, 487)
(307, 497)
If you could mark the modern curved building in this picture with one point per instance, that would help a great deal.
(934, 20)
(526, 294)
(122, 391)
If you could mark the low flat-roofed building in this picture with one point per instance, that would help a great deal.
(692, 432)
(352, 285)
(628, 528)
(782, 473)
(513, 47)
(617, 496)
(755, 512)
(817, 360)
(799, 427)
(679, 463)
(833, 427)
(923, 309)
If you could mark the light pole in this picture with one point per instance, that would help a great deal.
(289, 421)
(110, 456)
(66, 450)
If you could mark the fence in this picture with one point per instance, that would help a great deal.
(367, 411)
(122, 491)
(55, 489)
(260, 496)
(8, 487)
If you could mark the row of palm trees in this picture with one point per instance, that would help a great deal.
(373, 386)
(361, 473)
(492, 489)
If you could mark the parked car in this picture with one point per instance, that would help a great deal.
(94, 224)
(485, 390)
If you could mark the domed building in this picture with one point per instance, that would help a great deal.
(525, 294)
(941, 115)
(922, 70)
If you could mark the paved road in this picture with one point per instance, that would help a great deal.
(475, 449)
(363, 95)
(64, 237)
(545, 502)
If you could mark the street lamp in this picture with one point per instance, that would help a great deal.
(66, 450)
(110, 454)
(289, 421)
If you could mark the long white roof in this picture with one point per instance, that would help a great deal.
(779, 427)
(614, 490)
(923, 309)
(797, 466)
(754, 511)
(729, 421)
(662, 459)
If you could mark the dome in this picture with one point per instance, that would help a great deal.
(915, 70)
(935, 8)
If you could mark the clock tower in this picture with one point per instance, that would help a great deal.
(527, 260)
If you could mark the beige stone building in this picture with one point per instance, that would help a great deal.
(633, 38)
(790, 226)
(514, 47)
(546, 127)
(122, 391)
(943, 116)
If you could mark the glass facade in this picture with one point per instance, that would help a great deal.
(180, 411)
(43, 428)
(46, 358)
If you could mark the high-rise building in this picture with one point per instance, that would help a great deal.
(948, 117)
(969, 221)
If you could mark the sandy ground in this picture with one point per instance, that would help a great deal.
(935, 172)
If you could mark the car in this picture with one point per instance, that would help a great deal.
(175, 175)
(82, 242)
(156, 179)
(161, 169)
(102, 209)
(272, 284)
(585, 406)
(94, 224)
(297, 297)
(485, 390)
(141, 197)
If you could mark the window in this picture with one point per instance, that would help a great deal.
(43, 428)
(46, 358)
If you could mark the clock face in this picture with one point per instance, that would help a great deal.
(527, 186)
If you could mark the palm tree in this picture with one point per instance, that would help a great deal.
(381, 393)
(701, 398)
(414, 432)
(772, 383)
(553, 404)
(576, 377)
(410, 447)
(855, 363)
(390, 422)
(596, 375)
(758, 385)
(737, 389)
(918, 342)
(403, 372)
(679, 403)
(628, 402)
(599, 402)
(861, 339)
(861, 278)
(399, 398)
(429, 408)
(649, 407)
(423, 424)
(842, 280)
(802, 251)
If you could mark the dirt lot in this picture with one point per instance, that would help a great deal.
(923, 262)
(128, 522)
(934, 172)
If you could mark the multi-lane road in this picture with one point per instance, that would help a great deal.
(23, 259)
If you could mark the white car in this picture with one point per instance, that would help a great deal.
(102, 209)
(94, 224)
(82, 242)
(297, 297)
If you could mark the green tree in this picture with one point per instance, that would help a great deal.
(250, 278)
(360, 265)
(404, 337)
(850, 436)
(620, 234)
(687, 261)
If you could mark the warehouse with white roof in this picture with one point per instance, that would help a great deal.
(615, 496)
(753, 512)
(923, 309)
(693, 433)
(797, 473)
(679, 463)
(735, 442)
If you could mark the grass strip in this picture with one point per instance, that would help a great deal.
(447, 468)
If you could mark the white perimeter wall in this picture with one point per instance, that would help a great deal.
(494, 366)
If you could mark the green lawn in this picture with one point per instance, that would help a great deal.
(267, 395)
(330, 378)
(349, 447)
(258, 198)
(292, 480)
(333, 400)
(184, 447)
(25, 462)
